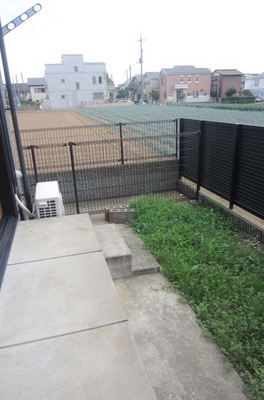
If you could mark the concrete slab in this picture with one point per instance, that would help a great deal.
(56, 297)
(41, 239)
(115, 250)
(180, 361)
(97, 364)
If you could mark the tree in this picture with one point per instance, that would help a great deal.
(154, 94)
(231, 91)
(122, 93)
(247, 93)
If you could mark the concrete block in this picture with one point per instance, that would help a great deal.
(119, 214)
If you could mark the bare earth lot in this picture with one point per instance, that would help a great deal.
(51, 119)
(50, 132)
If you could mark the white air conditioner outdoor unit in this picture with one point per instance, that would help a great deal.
(48, 200)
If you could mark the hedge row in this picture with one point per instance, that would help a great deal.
(239, 100)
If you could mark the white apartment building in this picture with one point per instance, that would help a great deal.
(255, 83)
(74, 83)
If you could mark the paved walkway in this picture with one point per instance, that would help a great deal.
(67, 331)
(63, 332)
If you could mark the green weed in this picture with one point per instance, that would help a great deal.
(218, 271)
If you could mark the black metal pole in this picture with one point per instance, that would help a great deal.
(14, 119)
(121, 142)
(176, 134)
(71, 144)
(199, 149)
(180, 148)
(32, 148)
(234, 167)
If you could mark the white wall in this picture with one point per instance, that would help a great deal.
(61, 80)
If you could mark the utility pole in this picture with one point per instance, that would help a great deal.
(141, 67)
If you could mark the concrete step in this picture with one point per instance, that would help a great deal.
(115, 250)
(124, 252)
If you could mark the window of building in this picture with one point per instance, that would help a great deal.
(205, 93)
(189, 78)
(98, 96)
(196, 78)
(181, 79)
(62, 81)
(165, 95)
(75, 69)
(63, 96)
(39, 90)
(162, 80)
(195, 93)
(77, 85)
(100, 79)
(94, 80)
(256, 82)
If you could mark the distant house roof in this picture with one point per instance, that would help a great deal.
(185, 69)
(36, 82)
(227, 72)
(152, 75)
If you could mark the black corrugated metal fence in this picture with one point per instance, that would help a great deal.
(227, 159)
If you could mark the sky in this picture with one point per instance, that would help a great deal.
(203, 33)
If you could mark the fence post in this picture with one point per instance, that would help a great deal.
(32, 149)
(234, 167)
(121, 142)
(177, 138)
(199, 150)
(179, 148)
(71, 144)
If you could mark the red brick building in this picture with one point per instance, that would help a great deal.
(184, 83)
(224, 79)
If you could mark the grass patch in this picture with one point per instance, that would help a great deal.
(219, 272)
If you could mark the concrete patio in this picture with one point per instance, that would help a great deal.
(68, 331)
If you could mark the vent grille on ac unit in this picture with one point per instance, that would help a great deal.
(48, 209)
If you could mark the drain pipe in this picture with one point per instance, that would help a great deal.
(24, 208)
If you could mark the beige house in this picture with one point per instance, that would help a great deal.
(37, 89)
(184, 83)
(224, 79)
(150, 81)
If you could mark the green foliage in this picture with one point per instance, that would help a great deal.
(239, 100)
(122, 93)
(154, 94)
(247, 93)
(109, 80)
(231, 91)
(218, 271)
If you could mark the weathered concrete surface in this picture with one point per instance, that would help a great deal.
(98, 364)
(181, 363)
(47, 238)
(63, 332)
(118, 241)
(48, 298)
(115, 250)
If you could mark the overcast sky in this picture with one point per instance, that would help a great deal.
(204, 33)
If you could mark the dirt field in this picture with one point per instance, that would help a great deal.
(49, 132)
(42, 119)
